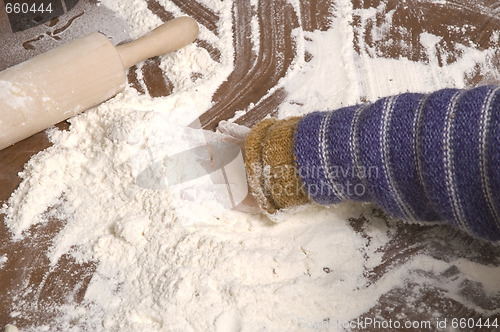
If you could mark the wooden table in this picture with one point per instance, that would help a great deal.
(253, 76)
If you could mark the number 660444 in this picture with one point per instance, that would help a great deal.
(25, 8)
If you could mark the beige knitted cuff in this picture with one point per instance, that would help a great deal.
(271, 166)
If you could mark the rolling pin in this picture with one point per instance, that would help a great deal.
(54, 86)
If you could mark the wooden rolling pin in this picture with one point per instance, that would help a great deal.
(70, 79)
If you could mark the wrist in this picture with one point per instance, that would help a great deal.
(271, 166)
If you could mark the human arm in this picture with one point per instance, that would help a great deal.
(419, 157)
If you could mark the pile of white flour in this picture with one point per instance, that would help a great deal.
(209, 268)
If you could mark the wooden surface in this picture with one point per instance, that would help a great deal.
(253, 75)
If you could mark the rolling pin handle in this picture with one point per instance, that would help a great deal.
(168, 37)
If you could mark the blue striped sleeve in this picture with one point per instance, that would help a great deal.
(419, 157)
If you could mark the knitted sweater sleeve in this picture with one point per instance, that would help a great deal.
(433, 157)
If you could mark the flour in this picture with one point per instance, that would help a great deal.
(173, 258)
(13, 96)
(3, 260)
